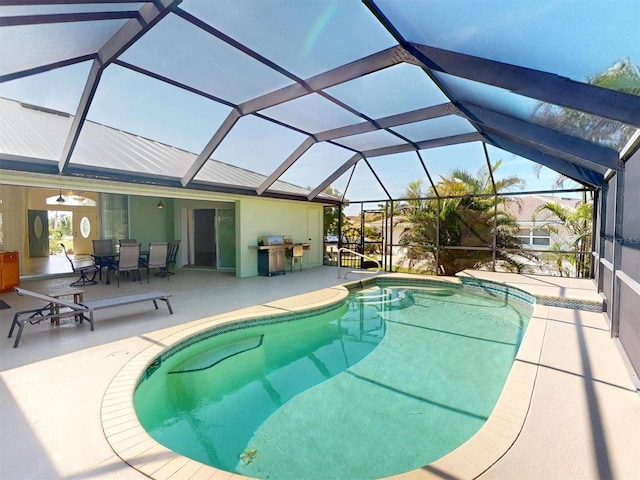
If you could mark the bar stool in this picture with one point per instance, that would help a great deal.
(295, 254)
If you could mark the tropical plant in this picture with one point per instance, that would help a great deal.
(332, 214)
(622, 76)
(462, 215)
(571, 227)
(60, 228)
(420, 215)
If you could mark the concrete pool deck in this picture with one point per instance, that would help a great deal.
(575, 407)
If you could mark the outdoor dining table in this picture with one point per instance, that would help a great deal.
(111, 259)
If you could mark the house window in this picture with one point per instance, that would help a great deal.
(534, 237)
(114, 216)
(69, 198)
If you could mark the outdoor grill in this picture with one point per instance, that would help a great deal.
(273, 251)
(271, 254)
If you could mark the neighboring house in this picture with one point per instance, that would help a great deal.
(532, 232)
(535, 234)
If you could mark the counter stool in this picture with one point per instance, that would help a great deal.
(295, 254)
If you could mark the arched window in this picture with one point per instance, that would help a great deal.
(71, 199)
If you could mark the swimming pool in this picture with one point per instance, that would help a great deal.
(370, 380)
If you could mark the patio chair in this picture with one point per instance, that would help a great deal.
(127, 241)
(172, 253)
(158, 253)
(84, 266)
(128, 261)
(103, 255)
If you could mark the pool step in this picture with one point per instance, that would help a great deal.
(385, 297)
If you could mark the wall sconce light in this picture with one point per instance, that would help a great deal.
(60, 198)
(160, 204)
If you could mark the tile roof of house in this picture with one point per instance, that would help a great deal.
(523, 208)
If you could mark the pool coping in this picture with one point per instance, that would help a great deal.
(131, 443)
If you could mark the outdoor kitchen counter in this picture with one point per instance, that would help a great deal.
(306, 246)
(272, 258)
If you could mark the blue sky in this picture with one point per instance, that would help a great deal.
(574, 38)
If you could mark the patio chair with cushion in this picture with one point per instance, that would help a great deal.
(84, 266)
(128, 261)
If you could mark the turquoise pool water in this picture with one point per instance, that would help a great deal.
(390, 381)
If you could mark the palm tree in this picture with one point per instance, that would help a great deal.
(575, 231)
(621, 76)
(331, 214)
(458, 217)
(420, 214)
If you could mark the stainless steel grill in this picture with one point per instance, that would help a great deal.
(273, 251)
(271, 254)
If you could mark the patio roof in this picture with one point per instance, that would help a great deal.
(293, 98)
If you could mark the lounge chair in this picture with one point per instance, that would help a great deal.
(83, 266)
(57, 308)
